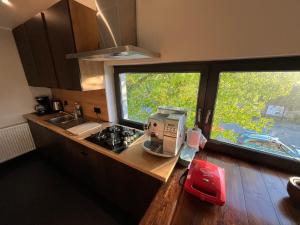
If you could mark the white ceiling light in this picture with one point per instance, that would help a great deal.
(6, 2)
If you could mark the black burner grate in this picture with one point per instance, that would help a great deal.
(115, 138)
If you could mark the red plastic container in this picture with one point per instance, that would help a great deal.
(206, 181)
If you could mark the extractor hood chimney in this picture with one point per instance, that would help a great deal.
(118, 35)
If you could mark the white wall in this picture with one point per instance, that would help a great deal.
(198, 30)
(218, 29)
(194, 30)
(110, 94)
(16, 97)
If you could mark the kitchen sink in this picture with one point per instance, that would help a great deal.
(62, 119)
(66, 121)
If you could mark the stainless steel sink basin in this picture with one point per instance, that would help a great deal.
(62, 119)
(66, 121)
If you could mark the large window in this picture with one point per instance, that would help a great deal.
(142, 93)
(248, 108)
(260, 111)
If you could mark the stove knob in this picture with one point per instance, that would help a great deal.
(97, 138)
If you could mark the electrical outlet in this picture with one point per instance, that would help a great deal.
(97, 110)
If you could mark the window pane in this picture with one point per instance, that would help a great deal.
(142, 93)
(259, 110)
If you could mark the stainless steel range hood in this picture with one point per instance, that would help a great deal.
(118, 36)
(116, 53)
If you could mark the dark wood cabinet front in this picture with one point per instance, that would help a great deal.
(26, 56)
(81, 163)
(38, 40)
(50, 143)
(44, 40)
(60, 33)
(124, 187)
(34, 50)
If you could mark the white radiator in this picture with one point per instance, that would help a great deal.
(14, 141)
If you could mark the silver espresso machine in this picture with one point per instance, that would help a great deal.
(166, 131)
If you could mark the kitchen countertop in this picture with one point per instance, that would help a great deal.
(255, 195)
(134, 156)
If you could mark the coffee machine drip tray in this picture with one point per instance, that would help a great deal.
(155, 148)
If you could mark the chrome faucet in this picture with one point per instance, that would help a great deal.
(77, 111)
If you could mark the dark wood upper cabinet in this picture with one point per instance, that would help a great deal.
(37, 37)
(44, 40)
(71, 27)
(59, 27)
(34, 50)
(26, 55)
(85, 27)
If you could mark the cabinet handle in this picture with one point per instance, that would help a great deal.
(207, 116)
(84, 153)
(198, 119)
(199, 115)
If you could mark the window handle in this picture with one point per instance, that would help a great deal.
(207, 116)
(199, 115)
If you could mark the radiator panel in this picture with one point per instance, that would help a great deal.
(14, 141)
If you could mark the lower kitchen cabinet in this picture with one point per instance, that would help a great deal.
(127, 188)
(84, 164)
(52, 144)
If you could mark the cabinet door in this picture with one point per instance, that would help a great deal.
(49, 143)
(26, 55)
(38, 41)
(59, 28)
(131, 190)
(85, 27)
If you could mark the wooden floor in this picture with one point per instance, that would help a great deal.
(33, 192)
(255, 196)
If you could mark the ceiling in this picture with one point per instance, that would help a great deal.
(16, 12)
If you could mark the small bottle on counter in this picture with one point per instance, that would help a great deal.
(77, 111)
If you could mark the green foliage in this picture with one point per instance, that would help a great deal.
(147, 91)
(243, 96)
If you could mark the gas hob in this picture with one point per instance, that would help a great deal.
(115, 138)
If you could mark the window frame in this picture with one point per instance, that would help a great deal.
(160, 68)
(247, 65)
(207, 94)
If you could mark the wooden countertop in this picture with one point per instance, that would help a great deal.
(255, 195)
(134, 156)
